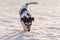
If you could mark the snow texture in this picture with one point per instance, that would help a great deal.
(45, 27)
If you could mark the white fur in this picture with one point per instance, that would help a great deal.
(25, 14)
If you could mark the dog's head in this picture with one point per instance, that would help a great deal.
(28, 21)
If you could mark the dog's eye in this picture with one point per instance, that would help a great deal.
(26, 23)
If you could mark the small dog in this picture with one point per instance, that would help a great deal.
(26, 18)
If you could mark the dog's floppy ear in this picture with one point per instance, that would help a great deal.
(22, 19)
(32, 18)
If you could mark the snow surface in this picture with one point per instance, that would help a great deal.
(45, 27)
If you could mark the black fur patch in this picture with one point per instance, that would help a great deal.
(25, 19)
(23, 10)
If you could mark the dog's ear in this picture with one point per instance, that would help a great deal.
(22, 19)
(32, 18)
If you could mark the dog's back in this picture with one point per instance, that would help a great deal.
(24, 11)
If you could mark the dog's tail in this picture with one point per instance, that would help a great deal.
(31, 3)
(25, 6)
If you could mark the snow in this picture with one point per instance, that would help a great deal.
(45, 27)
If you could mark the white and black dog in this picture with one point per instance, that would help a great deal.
(25, 16)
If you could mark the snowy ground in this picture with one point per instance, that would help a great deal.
(45, 27)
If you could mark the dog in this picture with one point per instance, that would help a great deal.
(25, 17)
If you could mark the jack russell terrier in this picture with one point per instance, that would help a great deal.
(25, 17)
